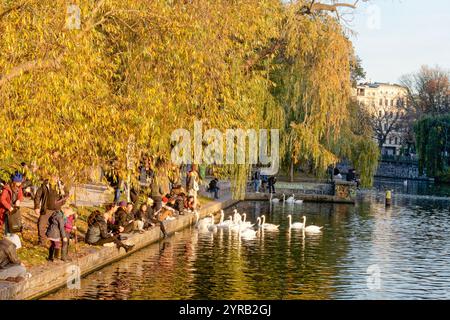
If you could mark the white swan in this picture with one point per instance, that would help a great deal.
(298, 201)
(226, 224)
(274, 200)
(236, 217)
(204, 224)
(295, 225)
(245, 224)
(290, 199)
(311, 229)
(268, 226)
(248, 233)
(222, 223)
(212, 227)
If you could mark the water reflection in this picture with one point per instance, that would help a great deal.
(407, 242)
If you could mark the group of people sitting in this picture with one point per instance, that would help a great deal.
(56, 221)
(109, 227)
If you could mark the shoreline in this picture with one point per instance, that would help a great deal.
(46, 280)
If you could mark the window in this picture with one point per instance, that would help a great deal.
(392, 103)
(380, 113)
(390, 140)
(396, 140)
(381, 102)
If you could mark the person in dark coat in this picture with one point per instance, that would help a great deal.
(56, 234)
(214, 187)
(143, 216)
(61, 225)
(122, 218)
(50, 197)
(97, 233)
(271, 182)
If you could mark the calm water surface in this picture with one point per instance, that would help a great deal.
(407, 245)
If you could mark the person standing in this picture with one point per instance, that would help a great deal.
(272, 180)
(214, 187)
(60, 227)
(11, 197)
(192, 184)
(257, 180)
(50, 197)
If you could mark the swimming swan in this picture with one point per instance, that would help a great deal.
(291, 199)
(274, 200)
(311, 229)
(268, 226)
(295, 225)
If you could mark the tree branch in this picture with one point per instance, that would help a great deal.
(48, 63)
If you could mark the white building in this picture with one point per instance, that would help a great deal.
(386, 103)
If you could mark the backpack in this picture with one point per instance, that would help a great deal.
(15, 221)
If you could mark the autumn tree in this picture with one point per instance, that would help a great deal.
(134, 71)
(428, 90)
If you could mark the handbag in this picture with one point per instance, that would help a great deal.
(15, 221)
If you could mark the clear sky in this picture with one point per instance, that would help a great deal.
(395, 37)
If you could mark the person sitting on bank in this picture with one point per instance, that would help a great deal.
(337, 174)
(142, 218)
(97, 233)
(11, 269)
(58, 232)
(123, 219)
(11, 197)
(189, 204)
(214, 187)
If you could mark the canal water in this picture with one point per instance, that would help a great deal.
(366, 251)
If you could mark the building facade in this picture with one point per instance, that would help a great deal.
(386, 104)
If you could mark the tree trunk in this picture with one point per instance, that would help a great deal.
(291, 171)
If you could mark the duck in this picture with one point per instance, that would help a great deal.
(311, 228)
(268, 226)
(295, 225)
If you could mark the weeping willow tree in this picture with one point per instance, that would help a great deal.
(314, 88)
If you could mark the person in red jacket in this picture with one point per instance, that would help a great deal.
(11, 197)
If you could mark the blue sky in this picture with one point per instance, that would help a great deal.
(395, 37)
